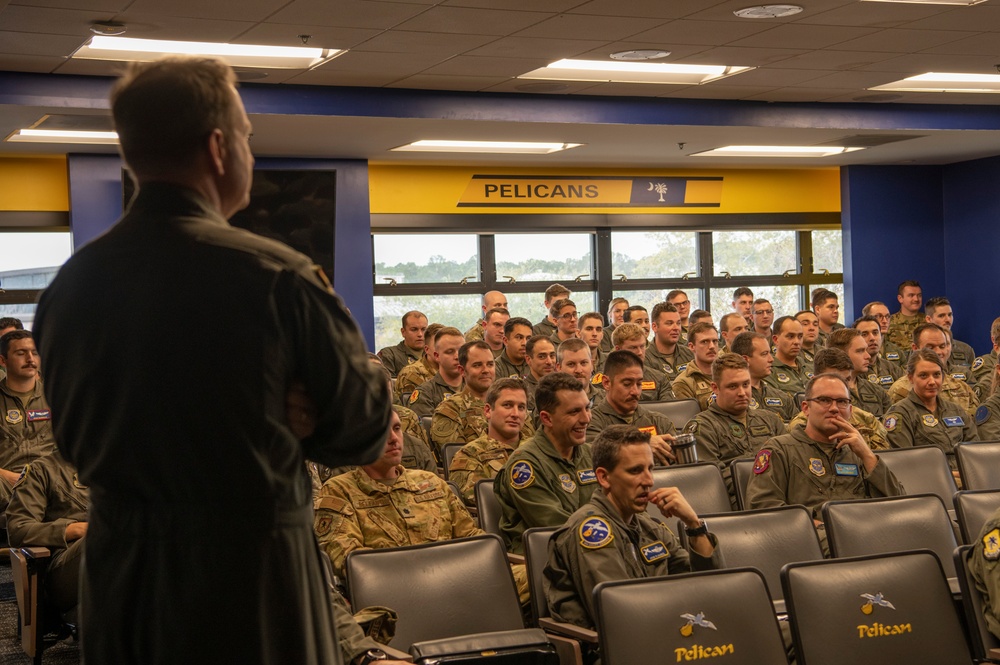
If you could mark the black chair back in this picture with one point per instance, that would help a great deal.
(689, 617)
(894, 524)
(741, 470)
(680, 411)
(701, 484)
(979, 464)
(447, 454)
(889, 608)
(444, 589)
(973, 508)
(488, 507)
(536, 555)
(922, 470)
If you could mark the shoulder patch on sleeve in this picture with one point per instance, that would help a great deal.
(762, 462)
(982, 414)
(598, 379)
(991, 545)
(23, 476)
(691, 427)
(977, 363)
(890, 423)
(595, 533)
(414, 395)
(521, 475)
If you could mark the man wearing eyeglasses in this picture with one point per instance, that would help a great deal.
(826, 460)
(563, 312)
(763, 316)
(680, 300)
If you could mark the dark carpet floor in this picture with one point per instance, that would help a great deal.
(61, 653)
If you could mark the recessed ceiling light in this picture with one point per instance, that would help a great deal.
(967, 3)
(945, 82)
(62, 136)
(775, 151)
(498, 147)
(640, 54)
(632, 72)
(107, 28)
(768, 11)
(237, 55)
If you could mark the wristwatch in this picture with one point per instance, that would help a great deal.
(700, 530)
(371, 656)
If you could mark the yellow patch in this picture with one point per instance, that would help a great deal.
(414, 395)
(991, 545)
(648, 430)
(598, 379)
(649, 385)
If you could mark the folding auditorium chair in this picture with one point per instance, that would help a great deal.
(766, 540)
(680, 411)
(741, 470)
(426, 422)
(35, 617)
(569, 639)
(974, 508)
(452, 597)
(488, 507)
(689, 617)
(448, 451)
(894, 524)
(985, 645)
(887, 608)
(979, 464)
(701, 484)
(922, 470)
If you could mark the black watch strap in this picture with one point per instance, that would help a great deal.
(700, 530)
(371, 656)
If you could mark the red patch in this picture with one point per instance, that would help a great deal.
(763, 461)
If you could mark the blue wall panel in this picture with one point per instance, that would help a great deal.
(95, 195)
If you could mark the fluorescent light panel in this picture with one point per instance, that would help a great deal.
(499, 147)
(62, 136)
(632, 72)
(775, 151)
(945, 82)
(237, 55)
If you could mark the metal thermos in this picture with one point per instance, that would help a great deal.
(684, 449)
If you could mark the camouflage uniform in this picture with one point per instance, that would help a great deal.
(988, 419)
(596, 545)
(693, 384)
(479, 459)
(870, 428)
(901, 328)
(537, 487)
(790, 379)
(669, 365)
(984, 564)
(962, 354)
(774, 400)
(412, 376)
(460, 419)
(604, 415)
(426, 397)
(952, 389)
(475, 333)
(544, 327)
(25, 432)
(505, 366)
(883, 372)
(356, 512)
(910, 424)
(722, 437)
(47, 498)
(870, 397)
(793, 469)
(395, 358)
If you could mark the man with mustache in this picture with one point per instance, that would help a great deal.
(26, 428)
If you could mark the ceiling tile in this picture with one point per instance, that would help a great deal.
(28, 43)
(775, 78)
(347, 13)
(827, 59)
(875, 15)
(344, 78)
(720, 92)
(432, 82)
(471, 65)
(533, 47)
(553, 6)
(700, 32)
(979, 17)
(854, 80)
(900, 41)
(244, 10)
(800, 35)
(986, 43)
(797, 95)
(189, 29)
(677, 51)
(919, 63)
(428, 43)
(396, 64)
(724, 10)
(464, 20)
(579, 26)
(30, 63)
(743, 56)
(640, 8)
(283, 34)
(48, 21)
(83, 5)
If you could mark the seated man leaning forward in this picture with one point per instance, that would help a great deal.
(826, 460)
(613, 538)
(549, 476)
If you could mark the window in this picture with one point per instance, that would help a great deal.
(827, 248)
(544, 257)
(461, 311)
(532, 305)
(754, 252)
(426, 259)
(29, 262)
(645, 255)
(784, 300)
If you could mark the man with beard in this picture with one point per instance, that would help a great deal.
(695, 382)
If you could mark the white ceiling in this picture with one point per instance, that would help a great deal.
(831, 52)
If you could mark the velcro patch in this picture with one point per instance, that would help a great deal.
(39, 414)
(846, 469)
(762, 462)
(892, 356)
(977, 363)
(772, 401)
(521, 475)
(595, 533)
(334, 503)
(414, 395)
(890, 423)
(982, 415)
(586, 476)
(650, 430)
(649, 385)
(816, 467)
(954, 421)
(991, 545)
(598, 379)
(567, 483)
(654, 551)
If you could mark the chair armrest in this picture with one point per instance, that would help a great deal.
(550, 625)
(515, 558)
(396, 654)
(36, 553)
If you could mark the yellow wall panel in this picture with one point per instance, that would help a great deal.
(34, 184)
